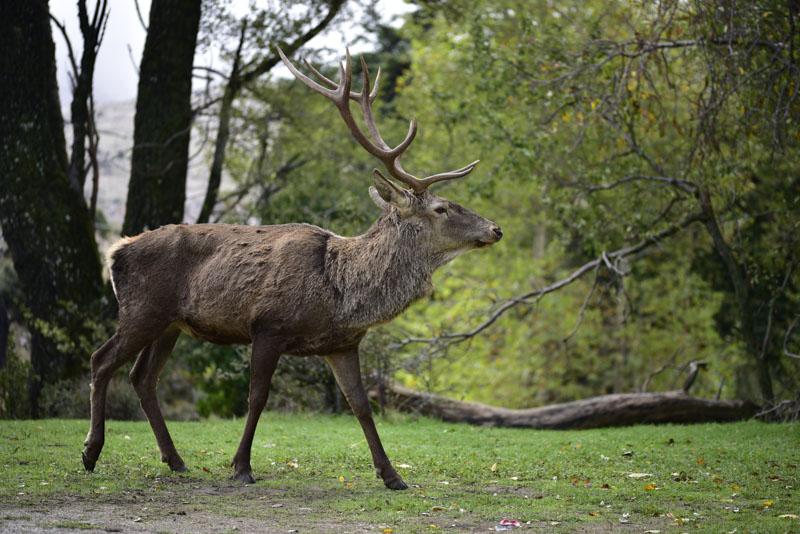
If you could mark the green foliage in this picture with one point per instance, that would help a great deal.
(221, 375)
(314, 472)
(580, 130)
(69, 399)
(14, 380)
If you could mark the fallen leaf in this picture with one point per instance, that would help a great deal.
(437, 508)
(594, 514)
(387, 531)
(638, 475)
(341, 479)
(649, 487)
(701, 461)
(494, 467)
(206, 469)
(403, 466)
(788, 516)
(767, 503)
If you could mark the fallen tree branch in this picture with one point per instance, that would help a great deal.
(621, 409)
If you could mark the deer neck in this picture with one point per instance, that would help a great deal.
(380, 273)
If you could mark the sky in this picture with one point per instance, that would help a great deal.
(115, 74)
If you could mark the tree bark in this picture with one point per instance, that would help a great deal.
(45, 221)
(162, 126)
(604, 411)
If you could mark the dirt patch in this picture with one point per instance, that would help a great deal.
(165, 517)
(189, 506)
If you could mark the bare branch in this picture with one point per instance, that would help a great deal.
(662, 368)
(585, 303)
(72, 61)
(133, 60)
(684, 185)
(536, 295)
(139, 14)
(771, 311)
(786, 338)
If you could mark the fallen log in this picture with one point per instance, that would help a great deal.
(621, 409)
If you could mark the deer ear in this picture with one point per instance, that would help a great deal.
(386, 192)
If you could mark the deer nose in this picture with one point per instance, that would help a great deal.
(497, 232)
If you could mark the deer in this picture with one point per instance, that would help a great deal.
(293, 289)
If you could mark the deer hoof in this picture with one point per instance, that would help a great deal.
(179, 469)
(245, 478)
(88, 463)
(396, 484)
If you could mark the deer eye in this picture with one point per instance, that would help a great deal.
(440, 210)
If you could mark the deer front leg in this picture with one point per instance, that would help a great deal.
(144, 377)
(263, 361)
(347, 371)
(121, 348)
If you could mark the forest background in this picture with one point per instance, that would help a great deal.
(641, 157)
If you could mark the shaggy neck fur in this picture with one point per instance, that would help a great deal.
(381, 272)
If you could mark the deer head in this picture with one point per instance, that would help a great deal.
(450, 228)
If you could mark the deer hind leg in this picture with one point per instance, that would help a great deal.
(144, 377)
(122, 347)
(263, 361)
(347, 371)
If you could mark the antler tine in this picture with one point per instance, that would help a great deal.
(374, 92)
(449, 175)
(319, 75)
(365, 100)
(305, 79)
(340, 95)
(332, 85)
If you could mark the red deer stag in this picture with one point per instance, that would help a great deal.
(288, 289)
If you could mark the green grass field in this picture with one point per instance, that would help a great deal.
(314, 475)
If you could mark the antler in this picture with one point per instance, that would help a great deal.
(340, 95)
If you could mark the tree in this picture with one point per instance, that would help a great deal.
(162, 126)
(644, 120)
(44, 220)
(268, 26)
(82, 108)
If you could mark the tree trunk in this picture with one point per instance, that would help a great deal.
(4, 327)
(157, 188)
(45, 221)
(604, 411)
(223, 134)
(84, 79)
(744, 302)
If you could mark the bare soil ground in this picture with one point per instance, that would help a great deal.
(236, 509)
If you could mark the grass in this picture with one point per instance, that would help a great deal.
(315, 470)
